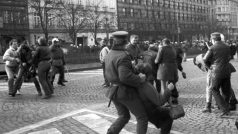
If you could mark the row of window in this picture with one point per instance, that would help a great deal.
(178, 5)
(153, 2)
(14, 16)
(161, 15)
(158, 26)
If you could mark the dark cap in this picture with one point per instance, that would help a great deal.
(215, 35)
(120, 34)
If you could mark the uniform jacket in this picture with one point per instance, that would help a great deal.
(217, 59)
(9, 57)
(57, 54)
(119, 71)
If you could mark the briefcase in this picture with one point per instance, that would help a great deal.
(176, 111)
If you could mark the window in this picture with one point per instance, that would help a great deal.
(124, 11)
(5, 17)
(36, 20)
(132, 12)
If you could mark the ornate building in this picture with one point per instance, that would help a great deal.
(13, 21)
(176, 19)
(226, 14)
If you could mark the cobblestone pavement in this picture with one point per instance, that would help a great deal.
(83, 95)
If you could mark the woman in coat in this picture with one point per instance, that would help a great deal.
(167, 65)
(42, 60)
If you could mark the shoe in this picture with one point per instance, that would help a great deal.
(208, 108)
(18, 92)
(61, 83)
(64, 81)
(12, 94)
(232, 107)
(46, 97)
(227, 113)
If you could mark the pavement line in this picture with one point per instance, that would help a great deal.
(134, 122)
(47, 131)
(47, 121)
(44, 122)
(96, 123)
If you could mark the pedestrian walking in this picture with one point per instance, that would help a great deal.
(123, 84)
(217, 60)
(102, 55)
(41, 60)
(57, 62)
(11, 57)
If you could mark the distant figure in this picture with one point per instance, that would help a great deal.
(133, 48)
(11, 57)
(57, 62)
(103, 53)
(41, 59)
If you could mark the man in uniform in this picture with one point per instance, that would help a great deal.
(124, 83)
(217, 60)
(57, 61)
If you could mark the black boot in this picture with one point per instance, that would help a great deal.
(207, 108)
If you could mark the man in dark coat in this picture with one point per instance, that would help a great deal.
(57, 61)
(217, 60)
(124, 82)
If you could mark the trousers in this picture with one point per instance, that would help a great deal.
(124, 107)
(11, 72)
(43, 72)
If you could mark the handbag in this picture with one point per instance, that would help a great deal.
(176, 111)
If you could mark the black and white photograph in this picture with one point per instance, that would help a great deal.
(118, 66)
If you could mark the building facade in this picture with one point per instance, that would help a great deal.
(226, 13)
(154, 19)
(13, 22)
(106, 10)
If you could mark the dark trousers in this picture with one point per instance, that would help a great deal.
(221, 98)
(43, 72)
(54, 71)
(136, 107)
(20, 78)
(11, 72)
(105, 79)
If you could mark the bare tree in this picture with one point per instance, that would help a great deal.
(45, 9)
(96, 18)
(74, 18)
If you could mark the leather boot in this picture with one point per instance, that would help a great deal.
(207, 108)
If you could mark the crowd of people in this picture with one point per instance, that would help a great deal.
(26, 61)
(126, 68)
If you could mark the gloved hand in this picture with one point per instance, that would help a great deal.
(184, 75)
